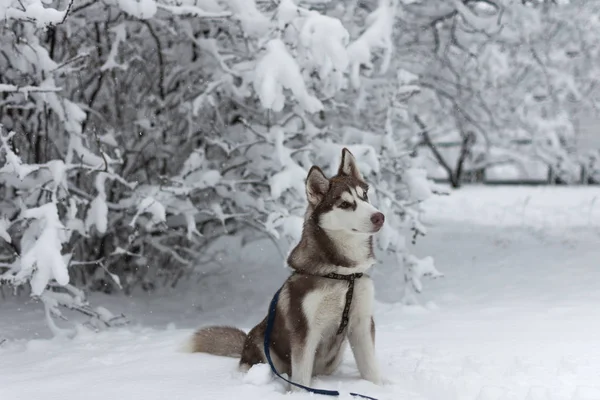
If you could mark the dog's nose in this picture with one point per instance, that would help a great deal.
(377, 219)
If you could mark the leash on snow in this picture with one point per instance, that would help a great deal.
(268, 330)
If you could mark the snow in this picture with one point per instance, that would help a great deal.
(312, 42)
(486, 24)
(419, 268)
(13, 163)
(277, 70)
(193, 11)
(377, 35)
(330, 153)
(41, 249)
(26, 89)
(418, 187)
(253, 22)
(120, 32)
(4, 224)
(513, 317)
(142, 9)
(325, 38)
(97, 214)
(291, 175)
(154, 208)
(58, 169)
(33, 11)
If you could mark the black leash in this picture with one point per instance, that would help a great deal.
(343, 324)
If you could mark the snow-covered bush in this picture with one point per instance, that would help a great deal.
(137, 133)
(39, 153)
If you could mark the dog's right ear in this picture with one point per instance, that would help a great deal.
(348, 165)
(317, 185)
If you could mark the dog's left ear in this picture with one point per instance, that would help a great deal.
(348, 165)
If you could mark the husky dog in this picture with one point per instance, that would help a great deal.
(328, 285)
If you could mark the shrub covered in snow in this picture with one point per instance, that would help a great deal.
(138, 133)
(119, 175)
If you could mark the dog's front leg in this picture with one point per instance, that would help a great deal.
(303, 359)
(361, 334)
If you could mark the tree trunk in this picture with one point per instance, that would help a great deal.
(455, 181)
(465, 150)
(436, 153)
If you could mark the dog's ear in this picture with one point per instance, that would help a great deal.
(317, 185)
(348, 165)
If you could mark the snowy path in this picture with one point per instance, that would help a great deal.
(516, 317)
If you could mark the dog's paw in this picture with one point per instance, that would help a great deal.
(378, 382)
(296, 389)
(372, 375)
(374, 379)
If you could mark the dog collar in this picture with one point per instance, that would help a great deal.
(340, 277)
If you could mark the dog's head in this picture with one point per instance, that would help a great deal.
(342, 203)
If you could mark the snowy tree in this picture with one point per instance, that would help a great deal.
(501, 72)
(136, 134)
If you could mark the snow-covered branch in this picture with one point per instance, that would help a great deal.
(27, 89)
(34, 11)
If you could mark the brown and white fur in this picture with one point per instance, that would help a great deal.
(337, 237)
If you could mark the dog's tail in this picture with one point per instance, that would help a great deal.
(217, 340)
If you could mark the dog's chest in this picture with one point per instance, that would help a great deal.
(324, 307)
(328, 316)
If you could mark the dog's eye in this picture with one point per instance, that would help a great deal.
(345, 204)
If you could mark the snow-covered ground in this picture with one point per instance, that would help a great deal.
(515, 317)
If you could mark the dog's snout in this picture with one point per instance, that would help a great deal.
(377, 219)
